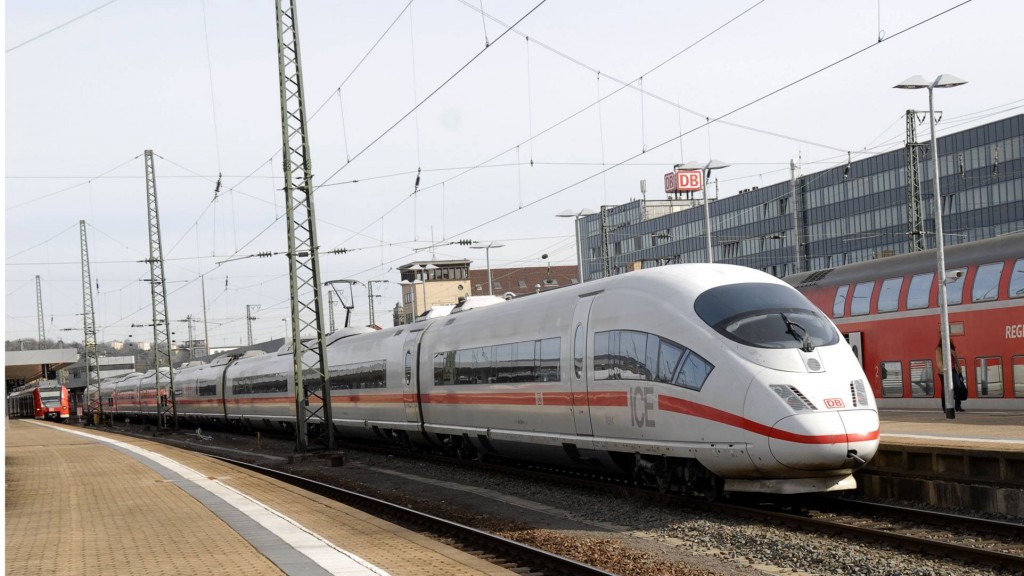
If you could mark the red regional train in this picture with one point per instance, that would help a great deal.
(889, 313)
(47, 401)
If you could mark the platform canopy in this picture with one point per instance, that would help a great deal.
(24, 366)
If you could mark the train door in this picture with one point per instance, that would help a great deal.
(855, 339)
(411, 377)
(579, 374)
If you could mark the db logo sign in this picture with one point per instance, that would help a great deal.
(834, 403)
(689, 180)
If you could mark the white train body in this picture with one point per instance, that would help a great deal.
(706, 377)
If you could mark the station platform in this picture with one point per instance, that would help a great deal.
(975, 429)
(88, 502)
(975, 460)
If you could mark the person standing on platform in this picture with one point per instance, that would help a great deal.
(959, 388)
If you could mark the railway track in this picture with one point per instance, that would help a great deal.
(973, 541)
(525, 560)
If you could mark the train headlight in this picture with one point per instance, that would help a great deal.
(792, 397)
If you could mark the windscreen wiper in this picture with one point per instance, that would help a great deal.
(805, 340)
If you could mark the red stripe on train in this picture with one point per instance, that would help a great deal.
(680, 406)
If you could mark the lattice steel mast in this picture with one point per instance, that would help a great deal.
(167, 410)
(92, 357)
(915, 218)
(313, 422)
(39, 313)
(606, 256)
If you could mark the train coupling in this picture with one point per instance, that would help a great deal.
(852, 455)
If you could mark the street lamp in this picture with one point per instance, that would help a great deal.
(943, 81)
(426, 276)
(487, 248)
(707, 168)
(577, 215)
(413, 284)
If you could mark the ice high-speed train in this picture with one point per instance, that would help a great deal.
(696, 377)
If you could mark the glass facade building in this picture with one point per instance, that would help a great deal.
(842, 215)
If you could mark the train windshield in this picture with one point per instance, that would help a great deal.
(49, 397)
(765, 316)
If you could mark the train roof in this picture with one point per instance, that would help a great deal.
(956, 256)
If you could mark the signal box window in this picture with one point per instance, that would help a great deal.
(986, 282)
(839, 306)
(1017, 280)
(889, 296)
(920, 287)
(989, 375)
(1018, 376)
(955, 290)
(861, 303)
(892, 379)
(922, 380)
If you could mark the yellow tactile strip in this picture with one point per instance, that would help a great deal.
(399, 551)
(78, 507)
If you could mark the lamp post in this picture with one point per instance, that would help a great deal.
(577, 216)
(413, 284)
(706, 168)
(943, 81)
(487, 249)
(426, 276)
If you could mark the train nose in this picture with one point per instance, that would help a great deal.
(825, 440)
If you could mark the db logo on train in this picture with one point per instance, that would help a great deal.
(834, 403)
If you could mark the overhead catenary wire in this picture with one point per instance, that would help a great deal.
(716, 119)
(58, 27)
(564, 120)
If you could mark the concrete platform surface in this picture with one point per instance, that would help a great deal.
(88, 502)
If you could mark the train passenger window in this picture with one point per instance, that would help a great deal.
(439, 369)
(653, 344)
(693, 371)
(892, 379)
(889, 295)
(463, 367)
(1017, 279)
(668, 356)
(922, 379)
(1018, 376)
(920, 288)
(955, 290)
(839, 306)
(633, 355)
(547, 365)
(524, 360)
(503, 370)
(988, 373)
(602, 356)
(986, 282)
(861, 302)
(482, 365)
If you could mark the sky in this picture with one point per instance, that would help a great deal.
(504, 128)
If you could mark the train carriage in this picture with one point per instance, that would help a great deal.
(888, 310)
(47, 401)
(693, 377)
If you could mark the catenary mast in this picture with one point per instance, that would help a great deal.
(92, 359)
(167, 411)
(312, 396)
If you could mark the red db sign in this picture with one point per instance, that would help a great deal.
(689, 180)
